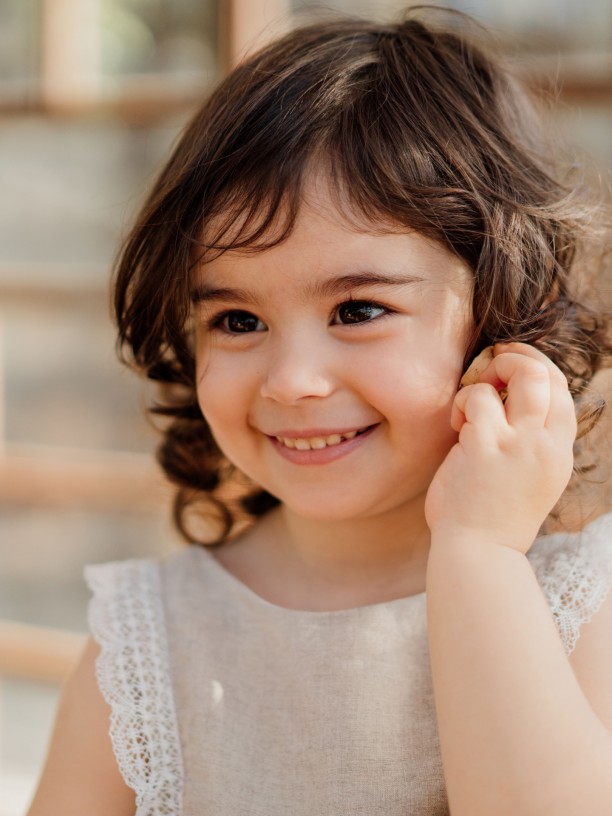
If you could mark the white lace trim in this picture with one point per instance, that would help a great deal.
(575, 573)
(127, 620)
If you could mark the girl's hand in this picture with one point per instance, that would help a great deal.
(512, 460)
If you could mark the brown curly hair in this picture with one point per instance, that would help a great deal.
(420, 127)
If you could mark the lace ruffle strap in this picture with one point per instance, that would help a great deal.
(127, 621)
(575, 573)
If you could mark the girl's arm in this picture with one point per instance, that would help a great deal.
(519, 733)
(81, 774)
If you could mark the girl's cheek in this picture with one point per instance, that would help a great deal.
(214, 389)
(419, 378)
(224, 387)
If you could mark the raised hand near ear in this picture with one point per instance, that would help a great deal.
(514, 454)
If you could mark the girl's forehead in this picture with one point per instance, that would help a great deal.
(322, 210)
(323, 255)
(328, 236)
(329, 199)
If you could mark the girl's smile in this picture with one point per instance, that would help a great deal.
(327, 364)
(319, 447)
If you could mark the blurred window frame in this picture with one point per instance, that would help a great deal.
(65, 76)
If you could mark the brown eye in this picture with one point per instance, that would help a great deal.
(239, 322)
(358, 311)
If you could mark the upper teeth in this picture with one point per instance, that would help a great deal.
(316, 442)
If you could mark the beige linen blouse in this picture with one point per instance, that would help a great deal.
(225, 704)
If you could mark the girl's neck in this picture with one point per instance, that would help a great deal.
(351, 551)
(309, 564)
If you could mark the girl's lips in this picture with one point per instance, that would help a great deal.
(322, 455)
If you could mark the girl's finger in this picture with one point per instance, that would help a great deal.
(557, 376)
(562, 411)
(480, 405)
(528, 382)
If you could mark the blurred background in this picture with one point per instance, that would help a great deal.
(92, 95)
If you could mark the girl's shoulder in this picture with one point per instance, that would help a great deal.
(80, 740)
(574, 570)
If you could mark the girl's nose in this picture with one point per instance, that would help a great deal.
(295, 370)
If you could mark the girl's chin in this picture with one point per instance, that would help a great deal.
(324, 511)
(355, 511)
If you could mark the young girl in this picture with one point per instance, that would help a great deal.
(385, 624)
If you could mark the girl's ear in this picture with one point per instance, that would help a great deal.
(478, 365)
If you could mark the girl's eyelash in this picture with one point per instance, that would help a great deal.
(216, 321)
(386, 311)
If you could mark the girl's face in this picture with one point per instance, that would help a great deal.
(327, 365)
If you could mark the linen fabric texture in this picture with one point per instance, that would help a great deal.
(224, 703)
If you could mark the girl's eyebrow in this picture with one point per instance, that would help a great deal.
(316, 289)
(203, 292)
(345, 283)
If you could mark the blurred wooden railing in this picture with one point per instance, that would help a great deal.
(59, 477)
(34, 285)
(38, 653)
(95, 480)
(70, 80)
